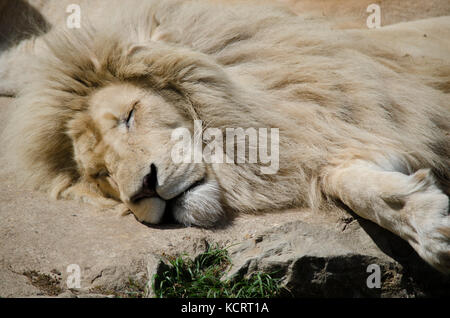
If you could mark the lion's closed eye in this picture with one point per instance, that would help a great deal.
(103, 173)
(129, 119)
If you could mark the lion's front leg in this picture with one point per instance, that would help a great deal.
(411, 206)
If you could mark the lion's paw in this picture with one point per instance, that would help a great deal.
(428, 213)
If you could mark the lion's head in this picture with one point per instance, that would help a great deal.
(99, 116)
(122, 143)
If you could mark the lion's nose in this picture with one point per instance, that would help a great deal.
(148, 189)
(150, 180)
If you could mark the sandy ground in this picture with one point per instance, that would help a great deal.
(39, 234)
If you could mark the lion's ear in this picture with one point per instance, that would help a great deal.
(78, 124)
(82, 132)
(83, 135)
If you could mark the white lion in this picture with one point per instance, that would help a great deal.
(362, 119)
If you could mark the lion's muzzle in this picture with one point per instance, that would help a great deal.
(154, 200)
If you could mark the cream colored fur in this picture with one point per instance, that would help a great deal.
(361, 120)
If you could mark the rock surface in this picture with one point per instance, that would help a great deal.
(335, 260)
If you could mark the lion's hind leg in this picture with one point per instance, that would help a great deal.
(410, 206)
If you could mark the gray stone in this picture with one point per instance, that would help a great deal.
(321, 260)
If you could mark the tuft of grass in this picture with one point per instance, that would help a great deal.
(201, 278)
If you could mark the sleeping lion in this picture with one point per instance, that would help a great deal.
(362, 118)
